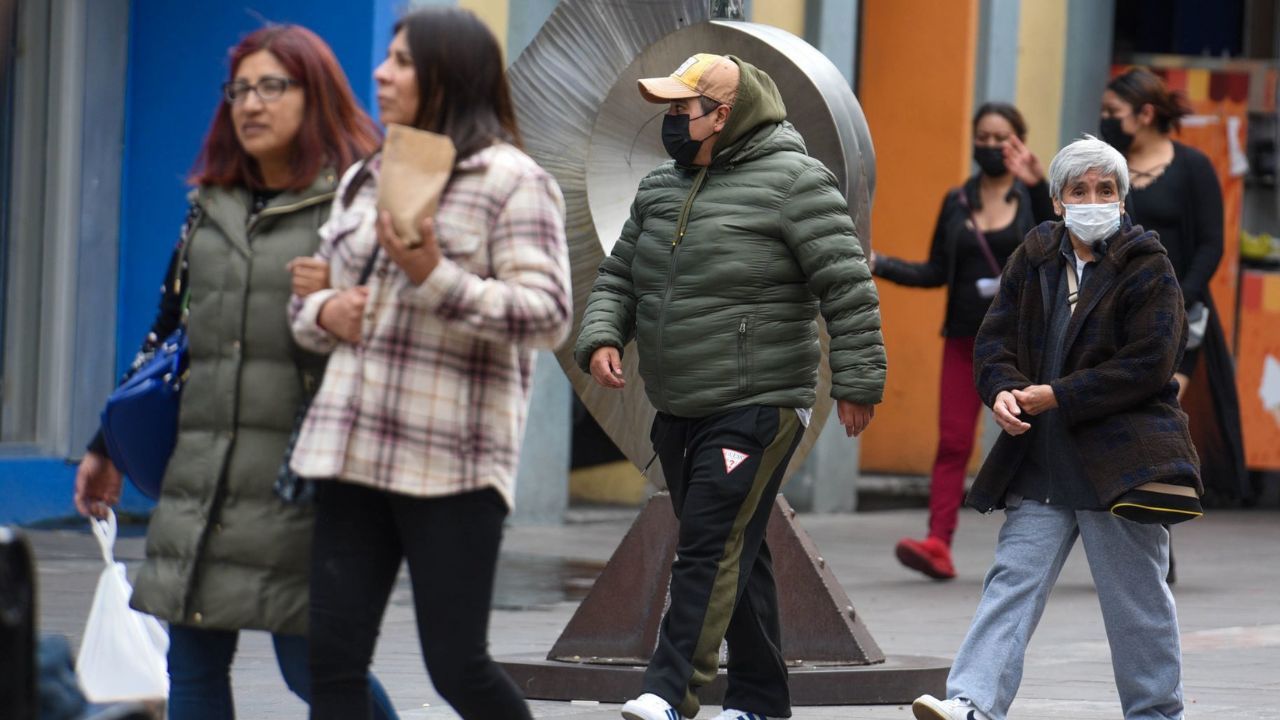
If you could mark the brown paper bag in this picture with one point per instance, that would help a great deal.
(416, 165)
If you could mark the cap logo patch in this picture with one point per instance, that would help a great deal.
(732, 459)
(687, 64)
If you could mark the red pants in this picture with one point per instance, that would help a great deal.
(958, 412)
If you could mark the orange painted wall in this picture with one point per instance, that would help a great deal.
(1259, 340)
(916, 87)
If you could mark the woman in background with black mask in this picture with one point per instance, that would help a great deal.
(980, 225)
(1175, 192)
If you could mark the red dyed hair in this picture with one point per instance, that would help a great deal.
(335, 131)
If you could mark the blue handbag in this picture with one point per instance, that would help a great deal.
(140, 421)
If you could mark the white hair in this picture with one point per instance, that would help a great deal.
(1088, 153)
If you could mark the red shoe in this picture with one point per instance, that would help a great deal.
(931, 557)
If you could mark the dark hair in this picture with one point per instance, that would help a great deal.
(335, 131)
(707, 104)
(1006, 111)
(1139, 86)
(462, 82)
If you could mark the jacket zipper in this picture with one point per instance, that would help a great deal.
(742, 355)
(284, 209)
(219, 494)
(683, 223)
(672, 264)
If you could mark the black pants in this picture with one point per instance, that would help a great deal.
(451, 545)
(724, 472)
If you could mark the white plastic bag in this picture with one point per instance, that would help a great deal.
(122, 656)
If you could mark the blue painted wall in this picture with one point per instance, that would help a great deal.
(35, 489)
(177, 62)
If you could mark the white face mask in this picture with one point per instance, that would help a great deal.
(1093, 222)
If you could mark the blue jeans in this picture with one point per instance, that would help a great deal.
(200, 673)
(1128, 562)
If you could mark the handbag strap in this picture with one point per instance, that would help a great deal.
(194, 214)
(367, 270)
(1073, 285)
(982, 239)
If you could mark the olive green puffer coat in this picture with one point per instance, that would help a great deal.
(223, 552)
(720, 273)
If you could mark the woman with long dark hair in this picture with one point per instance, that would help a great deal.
(981, 223)
(414, 434)
(1176, 194)
(224, 553)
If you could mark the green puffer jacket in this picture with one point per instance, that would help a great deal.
(223, 552)
(720, 273)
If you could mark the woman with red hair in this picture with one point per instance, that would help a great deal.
(224, 552)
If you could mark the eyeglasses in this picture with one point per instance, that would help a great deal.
(269, 89)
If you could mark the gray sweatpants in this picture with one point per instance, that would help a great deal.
(1128, 562)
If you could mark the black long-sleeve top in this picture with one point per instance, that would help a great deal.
(956, 259)
(1184, 206)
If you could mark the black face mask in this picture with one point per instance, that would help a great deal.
(1114, 134)
(675, 138)
(990, 160)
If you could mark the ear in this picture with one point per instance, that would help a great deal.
(1057, 207)
(722, 117)
(1147, 115)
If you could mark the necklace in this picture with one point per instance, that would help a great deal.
(1153, 172)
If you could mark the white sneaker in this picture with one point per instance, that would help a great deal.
(928, 707)
(731, 714)
(649, 707)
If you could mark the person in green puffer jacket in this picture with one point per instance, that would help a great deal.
(730, 252)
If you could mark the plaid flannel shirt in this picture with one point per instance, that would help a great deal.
(432, 401)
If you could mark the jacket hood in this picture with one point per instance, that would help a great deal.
(759, 103)
(1129, 242)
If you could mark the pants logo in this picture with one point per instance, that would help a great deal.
(732, 459)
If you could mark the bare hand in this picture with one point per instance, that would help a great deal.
(309, 275)
(416, 262)
(855, 417)
(1036, 399)
(1007, 411)
(871, 261)
(98, 484)
(606, 367)
(343, 314)
(1022, 162)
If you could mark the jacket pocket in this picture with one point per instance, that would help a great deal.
(744, 354)
(464, 243)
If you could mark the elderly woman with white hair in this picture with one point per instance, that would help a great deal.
(1076, 359)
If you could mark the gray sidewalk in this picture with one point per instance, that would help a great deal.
(1228, 599)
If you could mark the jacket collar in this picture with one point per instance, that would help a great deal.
(229, 207)
(1047, 242)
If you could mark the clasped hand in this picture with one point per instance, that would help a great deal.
(1010, 404)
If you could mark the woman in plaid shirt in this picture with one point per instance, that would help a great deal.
(416, 428)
